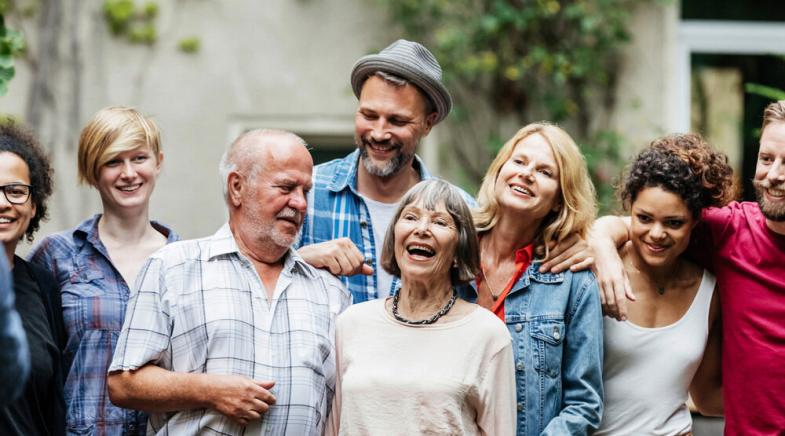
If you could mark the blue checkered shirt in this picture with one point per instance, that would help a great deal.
(336, 210)
(200, 307)
(94, 296)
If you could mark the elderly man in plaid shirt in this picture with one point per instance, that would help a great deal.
(401, 97)
(233, 333)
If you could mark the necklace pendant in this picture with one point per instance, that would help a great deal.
(661, 290)
(495, 297)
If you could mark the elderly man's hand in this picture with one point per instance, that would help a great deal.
(340, 256)
(573, 253)
(239, 398)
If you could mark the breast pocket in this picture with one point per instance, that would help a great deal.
(92, 303)
(547, 339)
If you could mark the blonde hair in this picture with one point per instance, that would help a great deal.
(577, 198)
(113, 130)
(774, 112)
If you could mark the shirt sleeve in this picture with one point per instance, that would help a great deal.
(582, 400)
(146, 334)
(497, 412)
(715, 222)
(14, 355)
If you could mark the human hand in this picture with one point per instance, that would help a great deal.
(239, 398)
(573, 253)
(612, 279)
(339, 256)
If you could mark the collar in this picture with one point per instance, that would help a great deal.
(345, 175)
(87, 231)
(222, 243)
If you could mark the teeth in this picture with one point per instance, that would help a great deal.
(776, 193)
(129, 188)
(5, 220)
(414, 248)
(522, 190)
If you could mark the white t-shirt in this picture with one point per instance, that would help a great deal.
(381, 215)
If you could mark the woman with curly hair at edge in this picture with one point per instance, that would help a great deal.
(96, 263)
(669, 344)
(26, 184)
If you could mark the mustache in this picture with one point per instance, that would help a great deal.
(290, 213)
(366, 140)
(766, 184)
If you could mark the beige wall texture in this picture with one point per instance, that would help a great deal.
(271, 63)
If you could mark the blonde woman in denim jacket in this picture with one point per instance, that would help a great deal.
(535, 193)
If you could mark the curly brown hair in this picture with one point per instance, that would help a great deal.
(20, 141)
(686, 165)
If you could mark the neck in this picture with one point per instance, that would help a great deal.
(386, 189)
(125, 226)
(776, 226)
(262, 253)
(424, 296)
(658, 275)
(505, 238)
(10, 248)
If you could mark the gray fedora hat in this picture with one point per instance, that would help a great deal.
(411, 61)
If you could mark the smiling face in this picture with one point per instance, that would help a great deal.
(274, 202)
(127, 180)
(769, 178)
(14, 218)
(425, 242)
(661, 226)
(528, 183)
(388, 125)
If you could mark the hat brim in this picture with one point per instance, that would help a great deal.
(434, 89)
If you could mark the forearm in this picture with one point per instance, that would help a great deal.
(157, 390)
(610, 229)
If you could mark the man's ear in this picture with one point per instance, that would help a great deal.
(235, 183)
(430, 121)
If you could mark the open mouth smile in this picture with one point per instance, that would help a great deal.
(420, 251)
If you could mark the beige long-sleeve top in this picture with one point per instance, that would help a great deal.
(453, 378)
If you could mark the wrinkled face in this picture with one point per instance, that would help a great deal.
(528, 183)
(274, 204)
(769, 178)
(661, 226)
(388, 125)
(425, 242)
(127, 180)
(14, 218)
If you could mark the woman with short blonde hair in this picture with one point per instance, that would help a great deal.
(537, 192)
(96, 263)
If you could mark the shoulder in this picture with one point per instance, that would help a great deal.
(39, 273)
(488, 325)
(333, 286)
(732, 212)
(325, 172)
(360, 312)
(60, 244)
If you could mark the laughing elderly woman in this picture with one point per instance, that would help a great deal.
(424, 361)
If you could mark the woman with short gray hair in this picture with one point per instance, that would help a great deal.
(424, 361)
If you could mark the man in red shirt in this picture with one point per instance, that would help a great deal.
(743, 243)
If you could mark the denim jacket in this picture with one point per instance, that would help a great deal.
(556, 326)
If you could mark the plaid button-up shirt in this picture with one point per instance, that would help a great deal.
(200, 307)
(94, 297)
(336, 210)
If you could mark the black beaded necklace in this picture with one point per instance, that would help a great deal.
(443, 311)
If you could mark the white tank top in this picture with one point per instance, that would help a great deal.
(647, 371)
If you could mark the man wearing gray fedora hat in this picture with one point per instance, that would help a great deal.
(401, 97)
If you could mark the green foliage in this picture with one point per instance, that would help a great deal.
(11, 44)
(769, 92)
(189, 45)
(135, 22)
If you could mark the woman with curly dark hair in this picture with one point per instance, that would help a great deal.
(26, 184)
(668, 345)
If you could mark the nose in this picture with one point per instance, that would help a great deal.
(379, 132)
(422, 226)
(4, 203)
(297, 200)
(776, 173)
(527, 171)
(128, 170)
(657, 232)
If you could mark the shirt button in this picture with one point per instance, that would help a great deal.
(520, 407)
(363, 223)
(518, 328)
(556, 335)
(519, 365)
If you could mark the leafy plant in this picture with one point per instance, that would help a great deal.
(12, 44)
(189, 45)
(137, 23)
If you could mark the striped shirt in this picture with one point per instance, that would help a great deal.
(200, 307)
(94, 296)
(336, 210)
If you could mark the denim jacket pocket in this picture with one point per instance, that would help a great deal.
(547, 336)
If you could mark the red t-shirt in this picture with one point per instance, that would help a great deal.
(749, 262)
(523, 258)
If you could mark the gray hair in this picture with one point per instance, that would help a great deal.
(432, 193)
(241, 153)
(399, 82)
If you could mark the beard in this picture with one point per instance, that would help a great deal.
(268, 232)
(387, 169)
(772, 211)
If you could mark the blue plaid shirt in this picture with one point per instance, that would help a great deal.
(336, 210)
(94, 297)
